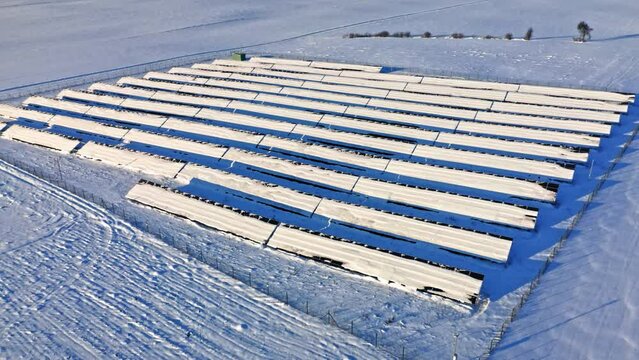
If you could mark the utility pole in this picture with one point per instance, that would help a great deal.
(455, 335)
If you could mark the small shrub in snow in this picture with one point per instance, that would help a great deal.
(489, 37)
(457, 35)
(508, 36)
(584, 31)
(528, 34)
(401, 34)
(427, 35)
(383, 34)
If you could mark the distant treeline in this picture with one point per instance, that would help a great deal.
(428, 35)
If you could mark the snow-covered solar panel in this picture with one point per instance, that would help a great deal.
(42, 102)
(129, 117)
(90, 97)
(470, 84)
(159, 107)
(344, 66)
(88, 126)
(222, 68)
(535, 99)
(524, 166)
(127, 91)
(274, 193)
(457, 239)
(14, 113)
(557, 112)
(133, 160)
(422, 108)
(355, 140)
(495, 95)
(590, 127)
(387, 85)
(400, 118)
(484, 210)
(199, 72)
(213, 215)
(305, 69)
(528, 134)
(424, 276)
(287, 74)
(245, 120)
(498, 184)
(174, 77)
(292, 170)
(175, 143)
(268, 60)
(219, 92)
(40, 138)
(440, 100)
(517, 147)
(190, 100)
(199, 128)
(315, 94)
(346, 89)
(276, 111)
(577, 93)
(324, 153)
(370, 127)
(267, 79)
(242, 85)
(146, 83)
(382, 76)
(228, 62)
(301, 103)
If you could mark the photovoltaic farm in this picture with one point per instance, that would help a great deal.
(419, 181)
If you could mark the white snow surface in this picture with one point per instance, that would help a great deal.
(77, 282)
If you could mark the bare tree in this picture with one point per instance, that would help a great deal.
(529, 34)
(508, 36)
(584, 31)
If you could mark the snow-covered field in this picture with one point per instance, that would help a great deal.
(104, 35)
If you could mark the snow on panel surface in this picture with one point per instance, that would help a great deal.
(470, 84)
(346, 89)
(199, 72)
(556, 112)
(90, 97)
(498, 184)
(132, 81)
(128, 91)
(524, 98)
(422, 108)
(296, 171)
(14, 113)
(245, 120)
(382, 76)
(313, 94)
(577, 93)
(129, 159)
(590, 127)
(222, 68)
(301, 103)
(40, 138)
(155, 75)
(276, 111)
(229, 62)
(190, 100)
(340, 66)
(175, 143)
(199, 128)
(88, 126)
(355, 140)
(440, 100)
(388, 85)
(219, 92)
(379, 128)
(477, 244)
(411, 273)
(485, 210)
(267, 79)
(43, 102)
(305, 69)
(328, 154)
(160, 107)
(277, 194)
(525, 166)
(130, 117)
(408, 119)
(517, 147)
(214, 216)
(242, 85)
(528, 134)
(290, 75)
(266, 60)
(496, 95)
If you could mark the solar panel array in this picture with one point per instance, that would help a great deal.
(339, 144)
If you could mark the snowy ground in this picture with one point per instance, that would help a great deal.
(79, 283)
(99, 35)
